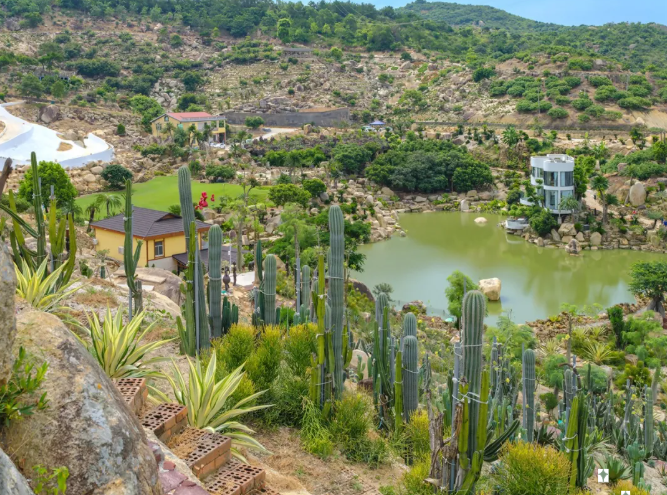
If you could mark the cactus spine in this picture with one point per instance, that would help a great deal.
(215, 279)
(130, 259)
(336, 292)
(473, 311)
(411, 378)
(529, 393)
(269, 290)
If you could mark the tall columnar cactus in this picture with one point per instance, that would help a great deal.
(215, 279)
(258, 259)
(269, 290)
(529, 393)
(398, 392)
(568, 387)
(226, 316)
(336, 291)
(130, 257)
(473, 312)
(409, 325)
(410, 376)
(495, 368)
(188, 214)
(571, 440)
(235, 314)
(649, 438)
(305, 291)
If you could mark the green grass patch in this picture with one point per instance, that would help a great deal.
(162, 192)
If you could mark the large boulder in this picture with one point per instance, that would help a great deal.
(11, 480)
(87, 426)
(49, 113)
(7, 317)
(567, 229)
(637, 194)
(596, 239)
(490, 287)
(163, 281)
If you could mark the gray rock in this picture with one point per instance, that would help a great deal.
(464, 205)
(49, 114)
(11, 480)
(637, 194)
(555, 236)
(472, 194)
(324, 196)
(420, 199)
(272, 224)
(12, 25)
(387, 192)
(7, 315)
(596, 239)
(87, 426)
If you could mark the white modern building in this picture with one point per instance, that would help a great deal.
(556, 176)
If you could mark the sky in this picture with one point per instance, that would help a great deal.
(570, 12)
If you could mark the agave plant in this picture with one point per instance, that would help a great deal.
(550, 347)
(43, 293)
(597, 352)
(206, 400)
(118, 348)
(618, 469)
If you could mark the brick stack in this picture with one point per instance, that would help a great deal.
(207, 454)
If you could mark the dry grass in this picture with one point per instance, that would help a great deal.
(64, 146)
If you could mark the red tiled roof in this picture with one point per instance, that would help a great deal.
(189, 115)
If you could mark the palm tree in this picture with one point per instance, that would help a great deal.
(600, 184)
(570, 203)
(112, 202)
(93, 208)
(170, 128)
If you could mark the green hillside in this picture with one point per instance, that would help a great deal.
(460, 15)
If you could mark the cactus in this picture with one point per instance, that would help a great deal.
(410, 380)
(258, 259)
(235, 314)
(269, 290)
(649, 438)
(130, 259)
(473, 312)
(336, 291)
(305, 294)
(568, 387)
(322, 365)
(37, 206)
(188, 333)
(215, 279)
(398, 392)
(201, 327)
(495, 367)
(410, 325)
(529, 393)
(278, 315)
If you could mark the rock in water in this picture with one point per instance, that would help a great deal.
(11, 481)
(637, 194)
(87, 426)
(480, 220)
(490, 287)
(8, 327)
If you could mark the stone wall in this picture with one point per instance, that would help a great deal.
(329, 118)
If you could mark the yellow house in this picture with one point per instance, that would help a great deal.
(184, 120)
(161, 232)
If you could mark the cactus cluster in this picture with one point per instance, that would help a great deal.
(268, 288)
(336, 292)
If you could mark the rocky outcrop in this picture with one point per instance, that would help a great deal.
(49, 113)
(490, 287)
(11, 481)
(8, 326)
(637, 194)
(87, 426)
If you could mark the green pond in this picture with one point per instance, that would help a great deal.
(535, 281)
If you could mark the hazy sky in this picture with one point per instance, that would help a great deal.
(571, 12)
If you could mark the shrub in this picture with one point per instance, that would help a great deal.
(553, 372)
(598, 378)
(582, 103)
(288, 193)
(543, 222)
(413, 480)
(416, 435)
(530, 469)
(299, 347)
(234, 348)
(558, 113)
(120, 129)
(550, 401)
(483, 73)
(220, 173)
(263, 365)
(116, 175)
(254, 122)
(627, 486)
(315, 437)
(353, 418)
(22, 384)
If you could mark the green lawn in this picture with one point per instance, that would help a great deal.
(162, 192)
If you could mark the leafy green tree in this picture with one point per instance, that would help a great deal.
(31, 86)
(381, 38)
(282, 194)
(351, 157)
(475, 175)
(254, 122)
(483, 73)
(116, 175)
(284, 26)
(543, 222)
(600, 184)
(459, 284)
(58, 89)
(314, 186)
(192, 80)
(120, 129)
(220, 173)
(336, 53)
(52, 174)
(649, 279)
(176, 41)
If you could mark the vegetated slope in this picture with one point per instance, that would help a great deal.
(458, 15)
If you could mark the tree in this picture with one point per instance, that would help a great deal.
(351, 157)
(314, 186)
(459, 284)
(220, 173)
(336, 53)
(58, 89)
(483, 73)
(116, 175)
(31, 86)
(120, 129)
(92, 209)
(284, 26)
(600, 184)
(649, 279)
(543, 222)
(473, 176)
(580, 175)
(192, 80)
(254, 122)
(381, 38)
(52, 174)
(570, 203)
(288, 193)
